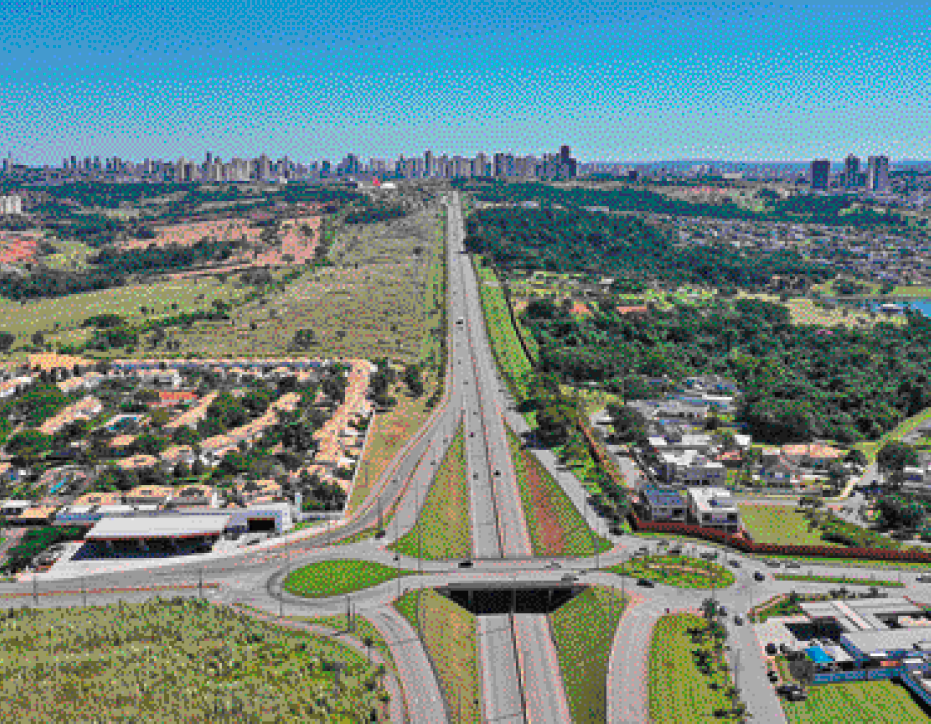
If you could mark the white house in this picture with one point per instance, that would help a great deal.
(713, 507)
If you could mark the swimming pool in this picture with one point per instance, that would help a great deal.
(819, 655)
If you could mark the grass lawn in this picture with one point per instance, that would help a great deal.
(177, 661)
(556, 525)
(678, 571)
(859, 702)
(505, 342)
(448, 634)
(444, 523)
(679, 692)
(323, 579)
(362, 630)
(583, 631)
(780, 525)
(843, 580)
(910, 291)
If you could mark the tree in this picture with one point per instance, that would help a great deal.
(413, 378)
(38, 339)
(6, 341)
(628, 424)
(896, 456)
(856, 457)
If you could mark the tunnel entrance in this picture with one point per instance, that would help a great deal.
(489, 600)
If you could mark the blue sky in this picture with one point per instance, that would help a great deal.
(633, 81)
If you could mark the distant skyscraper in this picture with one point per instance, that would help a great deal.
(820, 173)
(851, 171)
(877, 179)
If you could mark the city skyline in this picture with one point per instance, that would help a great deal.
(757, 82)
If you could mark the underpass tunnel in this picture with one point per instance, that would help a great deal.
(487, 601)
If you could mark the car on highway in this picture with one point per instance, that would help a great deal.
(497, 473)
(645, 582)
(773, 564)
(734, 563)
(461, 320)
(465, 564)
(553, 564)
(738, 619)
(771, 649)
(570, 577)
(722, 610)
(793, 564)
(923, 579)
(759, 576)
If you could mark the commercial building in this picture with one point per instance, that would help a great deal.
(851, 171)
(820, 173)
(877, 175)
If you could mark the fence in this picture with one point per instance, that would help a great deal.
(885, 672)
(745, 544)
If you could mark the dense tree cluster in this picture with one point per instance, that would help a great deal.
(130, 261)
(561, 240)
(835, 210)
(370, 213)
(798, 381)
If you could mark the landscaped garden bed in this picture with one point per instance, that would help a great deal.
(676, 570)
(323, 579)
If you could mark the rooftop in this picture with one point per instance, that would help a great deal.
(663, 497)
(158, 526)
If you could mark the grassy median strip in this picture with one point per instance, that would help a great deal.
(856, 702)
(675, 570)
(844, 580)
(556, 526)
(335, 578)
(444, 524)
(448, 634)
(583, 631)
(680, 691)
(505, 340)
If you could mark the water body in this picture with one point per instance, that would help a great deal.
(919, 304)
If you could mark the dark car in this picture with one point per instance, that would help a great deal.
(739, 620)
(465, 564)
(645, 582)
(924, 579)
(734, 563)
(771, 649)
(759, 576)
(497, 473)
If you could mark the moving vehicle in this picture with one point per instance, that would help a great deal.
(924, 579)
(771, 649)
(646, 583)
(793, 564)
(553, 564)
(738, 619)
(734, 563)
(759, 576)
(465, 564)
(773, 564)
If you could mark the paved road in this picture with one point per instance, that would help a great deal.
(544, 693)
(501, 688)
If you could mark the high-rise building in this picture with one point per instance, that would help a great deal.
(877, 174)
(264, 168)
(820, 173)
(851, 171)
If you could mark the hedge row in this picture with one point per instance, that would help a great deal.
(746, 545)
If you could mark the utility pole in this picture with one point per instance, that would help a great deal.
(200, 583)
(84, 590)
(35, 589)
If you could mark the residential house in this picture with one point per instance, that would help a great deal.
(154, 495)
(663, 504)
(689, 467)
(83, 409)
(188, 496)
(14, 508)
(814, 455)
(254, 492)
(137, 462)
(175, 454)
(13, 386)
(714, 508)
(36, 515)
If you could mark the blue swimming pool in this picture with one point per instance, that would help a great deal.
(818, 655)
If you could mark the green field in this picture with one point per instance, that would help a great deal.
(677, 571)
(860, 702)
(583, 632)
(448, 634)
(323, 579)
(679, 691)
(556, 526)
(505, 342)
(177, 660)
(67, 313)
(781, 525)
(362, 629)
(444, 527)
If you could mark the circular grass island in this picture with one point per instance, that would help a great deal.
(323, 579)
(678, 571)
